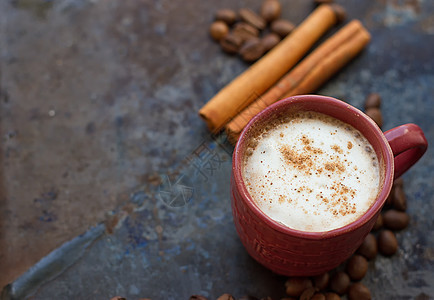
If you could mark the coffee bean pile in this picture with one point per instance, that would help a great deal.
(250, 34)
(393, 217)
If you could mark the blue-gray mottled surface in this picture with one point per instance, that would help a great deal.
(99, 127)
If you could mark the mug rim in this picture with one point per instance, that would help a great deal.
(385, 185)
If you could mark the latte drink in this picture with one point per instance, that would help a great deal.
(311, 172)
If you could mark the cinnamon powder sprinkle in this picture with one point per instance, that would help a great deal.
(339, 203)
(337, 149)
(334, 166)
(301, 161)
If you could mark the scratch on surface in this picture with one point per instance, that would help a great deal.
(52, 265)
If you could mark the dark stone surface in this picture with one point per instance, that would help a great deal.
(99, 124)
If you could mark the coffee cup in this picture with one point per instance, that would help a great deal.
(297, 252)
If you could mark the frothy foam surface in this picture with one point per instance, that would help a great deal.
(312, 172)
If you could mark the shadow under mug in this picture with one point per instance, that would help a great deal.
(292, 252)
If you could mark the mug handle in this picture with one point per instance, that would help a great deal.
(408, 144)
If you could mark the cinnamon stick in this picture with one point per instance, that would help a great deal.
(310, 74)
(331, 64)
(265, 72)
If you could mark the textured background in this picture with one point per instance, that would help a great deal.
(102, 148)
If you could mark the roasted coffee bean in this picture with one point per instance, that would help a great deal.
(369, 247)
(308, 293)
(399, 200)
(395, 220)
(332, 296)
(373, 100)
(218, 30)
(378, 223)
(231, 43)
(282, 27)
(270, 41)
(389, 199)
(375, 114)
(398, 182)
(321, 281)
(357, 267)
(387, 242)
(248, 297)
(318, 296)
(358, 291)
(340, 282)
(323, 1)
(197, 297)
(250, 17)
(251, 50)
(245, 31)
(226, 297)
(340, 13)
(296, 285)
(270, 10)
(226, 15)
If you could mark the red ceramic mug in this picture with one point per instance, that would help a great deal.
(292, 252)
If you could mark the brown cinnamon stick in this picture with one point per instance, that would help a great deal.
(294, 77)
(331, 64)
(310, 74)
(264, 73)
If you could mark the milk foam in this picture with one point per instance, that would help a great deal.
(312, 172)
